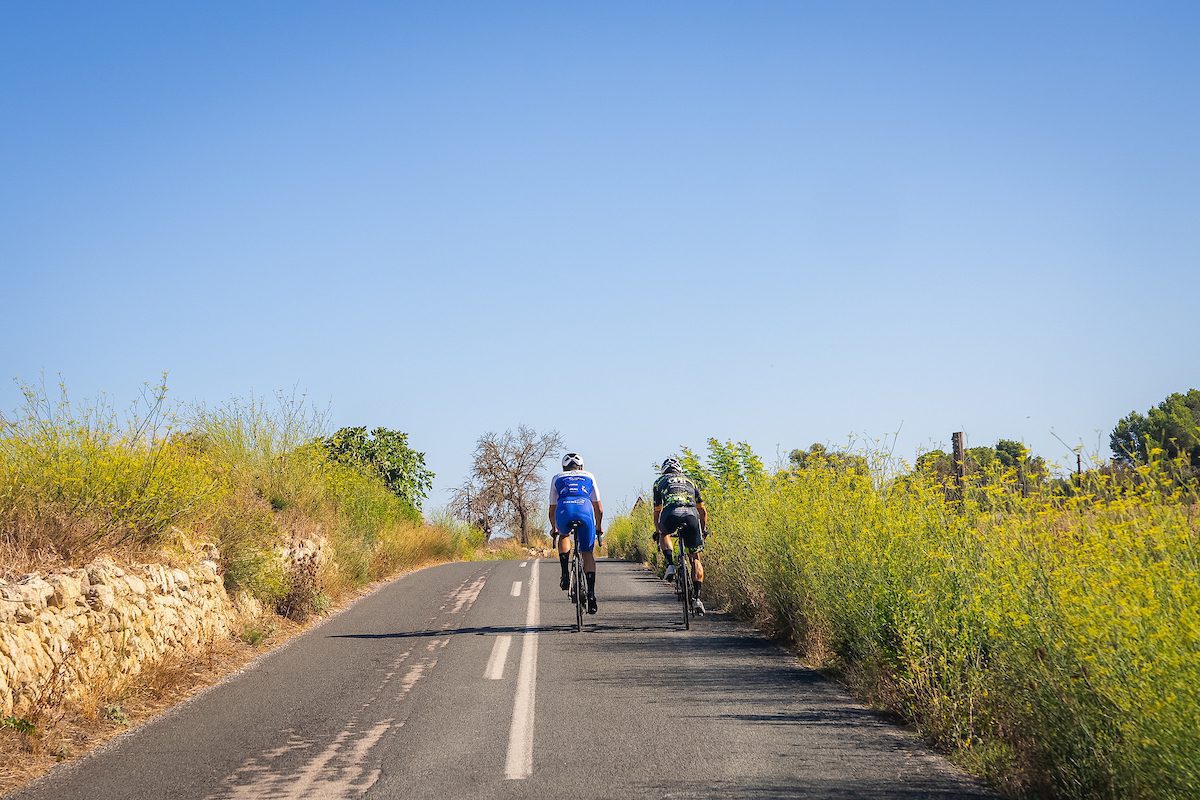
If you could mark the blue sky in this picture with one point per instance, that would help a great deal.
(642, 224)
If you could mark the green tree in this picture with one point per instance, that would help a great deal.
(937, 463)
(1173, 425)
(1017, 456)
(386, 455)
(1010, 454)
(727, 463)
(1128, 439)
(982, 462)
(819, 456)
(694, 468)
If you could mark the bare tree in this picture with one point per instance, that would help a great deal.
(506, 480)
(469, 503)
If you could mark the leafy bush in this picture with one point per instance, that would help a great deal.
(384, 454)
(255, 633)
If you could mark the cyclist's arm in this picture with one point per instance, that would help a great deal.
(553, 529)
(597, 506)
(703, 515)
(657, 516)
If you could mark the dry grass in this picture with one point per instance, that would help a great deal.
(77, 482)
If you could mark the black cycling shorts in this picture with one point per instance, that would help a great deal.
(683, 521)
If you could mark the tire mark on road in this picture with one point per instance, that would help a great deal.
(341, 769)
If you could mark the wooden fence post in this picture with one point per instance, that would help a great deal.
(960, 463)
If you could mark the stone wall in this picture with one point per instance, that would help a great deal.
(71, 634)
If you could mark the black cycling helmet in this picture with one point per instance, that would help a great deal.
(671, 465)
(572, 461)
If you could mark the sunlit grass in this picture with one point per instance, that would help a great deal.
(78, 481)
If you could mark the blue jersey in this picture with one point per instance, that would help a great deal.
(575, 487)
(572, 494)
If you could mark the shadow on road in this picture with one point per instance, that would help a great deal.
(478, 630)
(830, 789)
(597, 626)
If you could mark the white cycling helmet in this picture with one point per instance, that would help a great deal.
(572, 461)
(671, 465)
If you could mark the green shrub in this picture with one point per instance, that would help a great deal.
(18, 724)
(384, 454)
(255, 633)
(629, 537)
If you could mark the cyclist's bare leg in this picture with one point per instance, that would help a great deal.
(668, 549)
(589, 571)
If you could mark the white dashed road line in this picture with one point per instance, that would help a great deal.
(519, 764)
(495, 664)
(516, 590)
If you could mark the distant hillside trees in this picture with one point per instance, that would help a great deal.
(1173, 426)
(818, 455)
(982, 462)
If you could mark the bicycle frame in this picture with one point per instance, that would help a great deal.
(683, 581)
(578, 578)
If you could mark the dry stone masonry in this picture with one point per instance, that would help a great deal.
(73, 633)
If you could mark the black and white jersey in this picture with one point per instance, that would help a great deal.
(676, 490)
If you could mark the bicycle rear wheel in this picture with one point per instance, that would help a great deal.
(580, 591)
(685, 584)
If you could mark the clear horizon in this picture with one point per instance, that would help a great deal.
(641, 226)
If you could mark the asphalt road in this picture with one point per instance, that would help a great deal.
(469, 681)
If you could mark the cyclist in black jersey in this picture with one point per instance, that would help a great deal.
(679, 508)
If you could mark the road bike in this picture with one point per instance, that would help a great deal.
(683, 581)
(578, 580)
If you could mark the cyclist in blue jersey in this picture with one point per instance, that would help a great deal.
(575, 498)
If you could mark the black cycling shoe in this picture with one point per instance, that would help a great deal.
(592, 606)
(564, 582)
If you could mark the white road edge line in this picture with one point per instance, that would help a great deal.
(495, 664)
(519, 764)
(516, 590)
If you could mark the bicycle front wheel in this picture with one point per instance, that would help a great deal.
(685, 594)
(580, 594)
